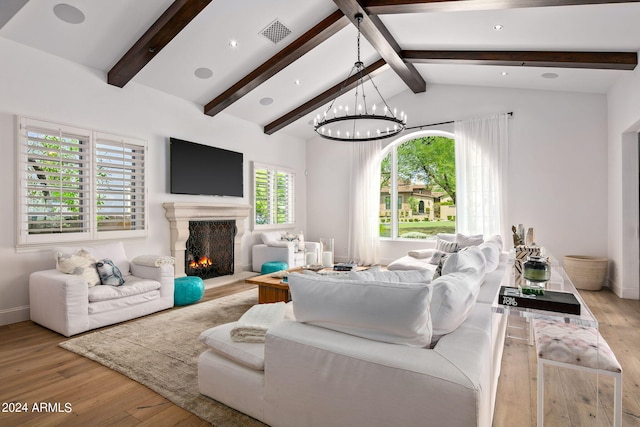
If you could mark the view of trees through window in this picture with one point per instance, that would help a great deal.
(420, 177)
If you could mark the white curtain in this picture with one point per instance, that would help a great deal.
(364, 199)
(481, 173)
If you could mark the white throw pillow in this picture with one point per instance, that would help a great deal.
(271, 237)
(81, 264)
(454, 296)
(469, 259)
(463, 240)
(491, 252)
(396, 313)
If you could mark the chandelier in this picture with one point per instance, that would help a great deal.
(363, 122)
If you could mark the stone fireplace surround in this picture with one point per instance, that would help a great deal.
(179, 214)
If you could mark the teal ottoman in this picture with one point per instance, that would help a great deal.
(273, 266)
(187, 290)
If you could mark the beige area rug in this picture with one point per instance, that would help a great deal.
(161, 352)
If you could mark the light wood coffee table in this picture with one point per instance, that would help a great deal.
(271, 289)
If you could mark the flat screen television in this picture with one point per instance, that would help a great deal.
(204, 170)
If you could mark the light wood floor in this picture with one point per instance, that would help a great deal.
(33, 369)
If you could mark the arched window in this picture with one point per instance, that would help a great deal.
(419, 171)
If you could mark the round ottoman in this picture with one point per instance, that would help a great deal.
(273, 266)
(187, 290)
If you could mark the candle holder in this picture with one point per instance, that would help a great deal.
(327, 252)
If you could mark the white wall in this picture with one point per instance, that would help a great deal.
(624, 125)
(557, 155)
(46, 87)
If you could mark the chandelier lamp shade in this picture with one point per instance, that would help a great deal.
(359, 121)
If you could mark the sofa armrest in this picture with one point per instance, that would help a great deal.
(164, 274)
(59, 301)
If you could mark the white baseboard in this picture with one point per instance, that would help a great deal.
(14, 315)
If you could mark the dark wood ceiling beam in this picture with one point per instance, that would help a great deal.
(309, 40)
(415, 6)
(380, 38)
(166, 27)
(594, 60)
(326, 96)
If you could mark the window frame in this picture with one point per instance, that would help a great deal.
(89, 200)
(272, 196)
(391, 150)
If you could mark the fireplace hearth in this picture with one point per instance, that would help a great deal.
(209, 248)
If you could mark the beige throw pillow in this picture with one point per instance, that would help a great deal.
(81, 264)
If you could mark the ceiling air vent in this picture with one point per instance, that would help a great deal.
(276, 31)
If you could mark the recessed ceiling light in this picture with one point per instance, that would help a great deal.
(233, 43)
(266, 101)
(549, 76)
(68, 13)
(498, 27)
(297, 82)
(504, 73)
(203, 73)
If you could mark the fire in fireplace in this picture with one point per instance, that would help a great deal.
(209, 251)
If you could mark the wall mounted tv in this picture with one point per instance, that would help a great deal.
(204, 170)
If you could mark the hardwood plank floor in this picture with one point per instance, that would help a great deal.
(33, 369)
(570, 395)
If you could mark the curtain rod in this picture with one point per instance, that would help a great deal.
(510, 113)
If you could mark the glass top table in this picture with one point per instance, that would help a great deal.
(558, 282)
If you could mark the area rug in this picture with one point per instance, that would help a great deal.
(161, 352)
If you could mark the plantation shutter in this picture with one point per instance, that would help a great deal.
(120, 184)
(273, 195)
(55, 182)
(284, 197)
(262, 199)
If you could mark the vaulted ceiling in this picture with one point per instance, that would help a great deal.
(183, 47)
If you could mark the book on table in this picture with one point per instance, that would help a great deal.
(562, 302)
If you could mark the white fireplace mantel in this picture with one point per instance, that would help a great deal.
(179, 215)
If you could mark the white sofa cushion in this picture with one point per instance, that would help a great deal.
(219, 339)
(132, 286)
(408, 262)
(396, 313)
(421, 253)
(400, 276)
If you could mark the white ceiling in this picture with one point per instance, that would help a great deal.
(111, 27)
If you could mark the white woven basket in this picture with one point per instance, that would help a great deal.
(586, 272)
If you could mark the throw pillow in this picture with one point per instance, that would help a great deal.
(448, 247)
(463, 240)
(81, 264)
(436, 257)
(441, 262)
(110, 275)
(397, 313)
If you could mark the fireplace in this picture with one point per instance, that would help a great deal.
(180, 215)
(209, 251)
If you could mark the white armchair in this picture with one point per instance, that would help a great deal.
(274, 249)
(66, 304)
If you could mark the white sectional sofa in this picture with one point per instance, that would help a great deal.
(355, 355)
(65, 303)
